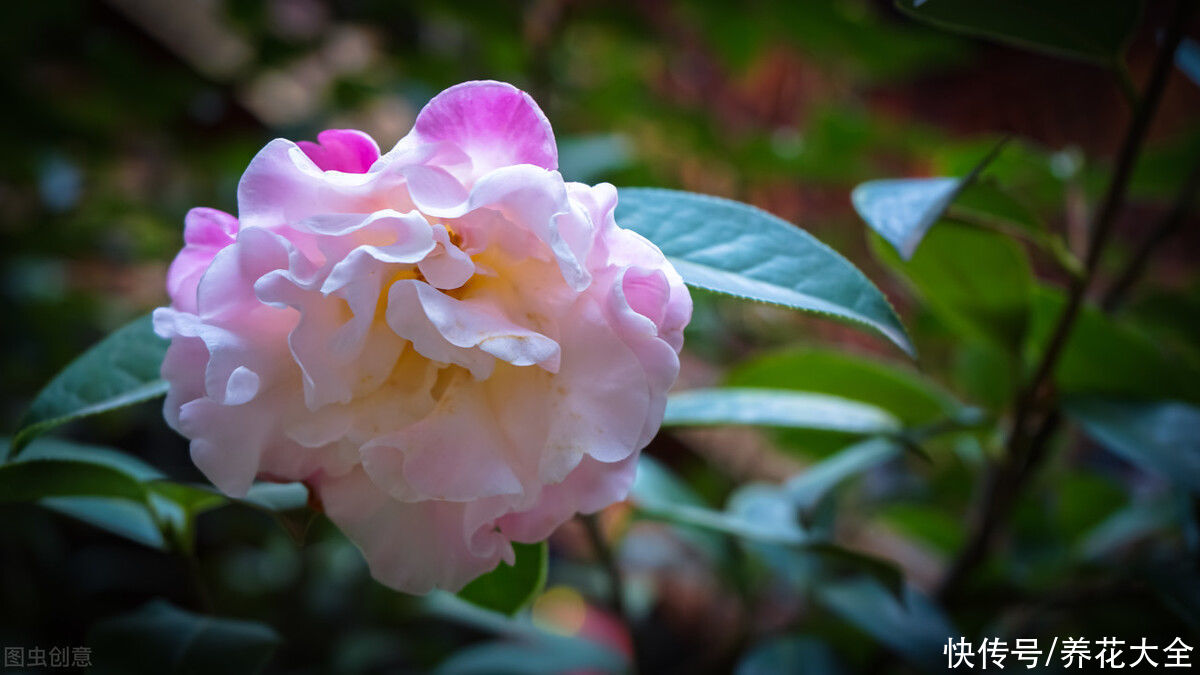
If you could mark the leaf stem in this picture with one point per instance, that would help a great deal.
(1004, 482)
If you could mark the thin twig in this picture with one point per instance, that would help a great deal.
(1025, 450)
(1162, 232)
(616, 582)
(1125, 80)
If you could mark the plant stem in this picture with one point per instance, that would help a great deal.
(1003, 484)
(616, 582)
(1125, 80)
(196, 573)
(1162, 231)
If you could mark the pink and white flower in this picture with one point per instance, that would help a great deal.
(450, 345)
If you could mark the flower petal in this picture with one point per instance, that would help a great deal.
(591, 486)
(455, 331)
(494, 123)
(346, 150)
(416, 546)
(206, 232)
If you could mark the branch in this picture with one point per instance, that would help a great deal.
(1165, 229)
(1025, 450)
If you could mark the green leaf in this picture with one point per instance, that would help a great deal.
(277, 496)
(526, 648)
(510, 588)
(838, 563)
(896, 388)
(131, 517)
(1134, 365)
(777, 408)
(1162, 437)
(792, 547)
(176, 507)
(658, 495)
(735, 248)
(1129, 526)
(734, 525)
(161, 638)
(126, 518)
(35, 479)
(57, 448)
(911, 626)
(155, 504)
(656, 485)
(1091, 30)
(192, 498)
(811, 485)
(122, 369)
(902, 210)
(978, 282)
(518, 658)
(790, 655)
(983, 202)
(925, 522)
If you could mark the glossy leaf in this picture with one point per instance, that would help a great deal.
(509, 588)
(777, 408)
(655, 484)
(176, 507)
(277, 496)
(654, 493)
(130, 516)
(57, 448)
(133, 520)
(984, 202)
(894, 387)
(789, 655)
(1162, 437)
(35, 479)
(978, 282)
(735, 248)
(763, 517)
(161, 638)
(1144, 369)
(120, 370)
(902, 210)
(519, 658)
(912, 626)
(1092, 30)
(811, 485)
(656, 487)
(941, 529)
(151, 508)
(525, 647)
(1133, 524)
(722, 522)
(772, 511)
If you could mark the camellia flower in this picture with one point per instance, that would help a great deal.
(450, 345)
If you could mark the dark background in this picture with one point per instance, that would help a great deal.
(121, 115)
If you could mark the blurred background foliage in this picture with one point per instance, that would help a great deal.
(123, 114)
